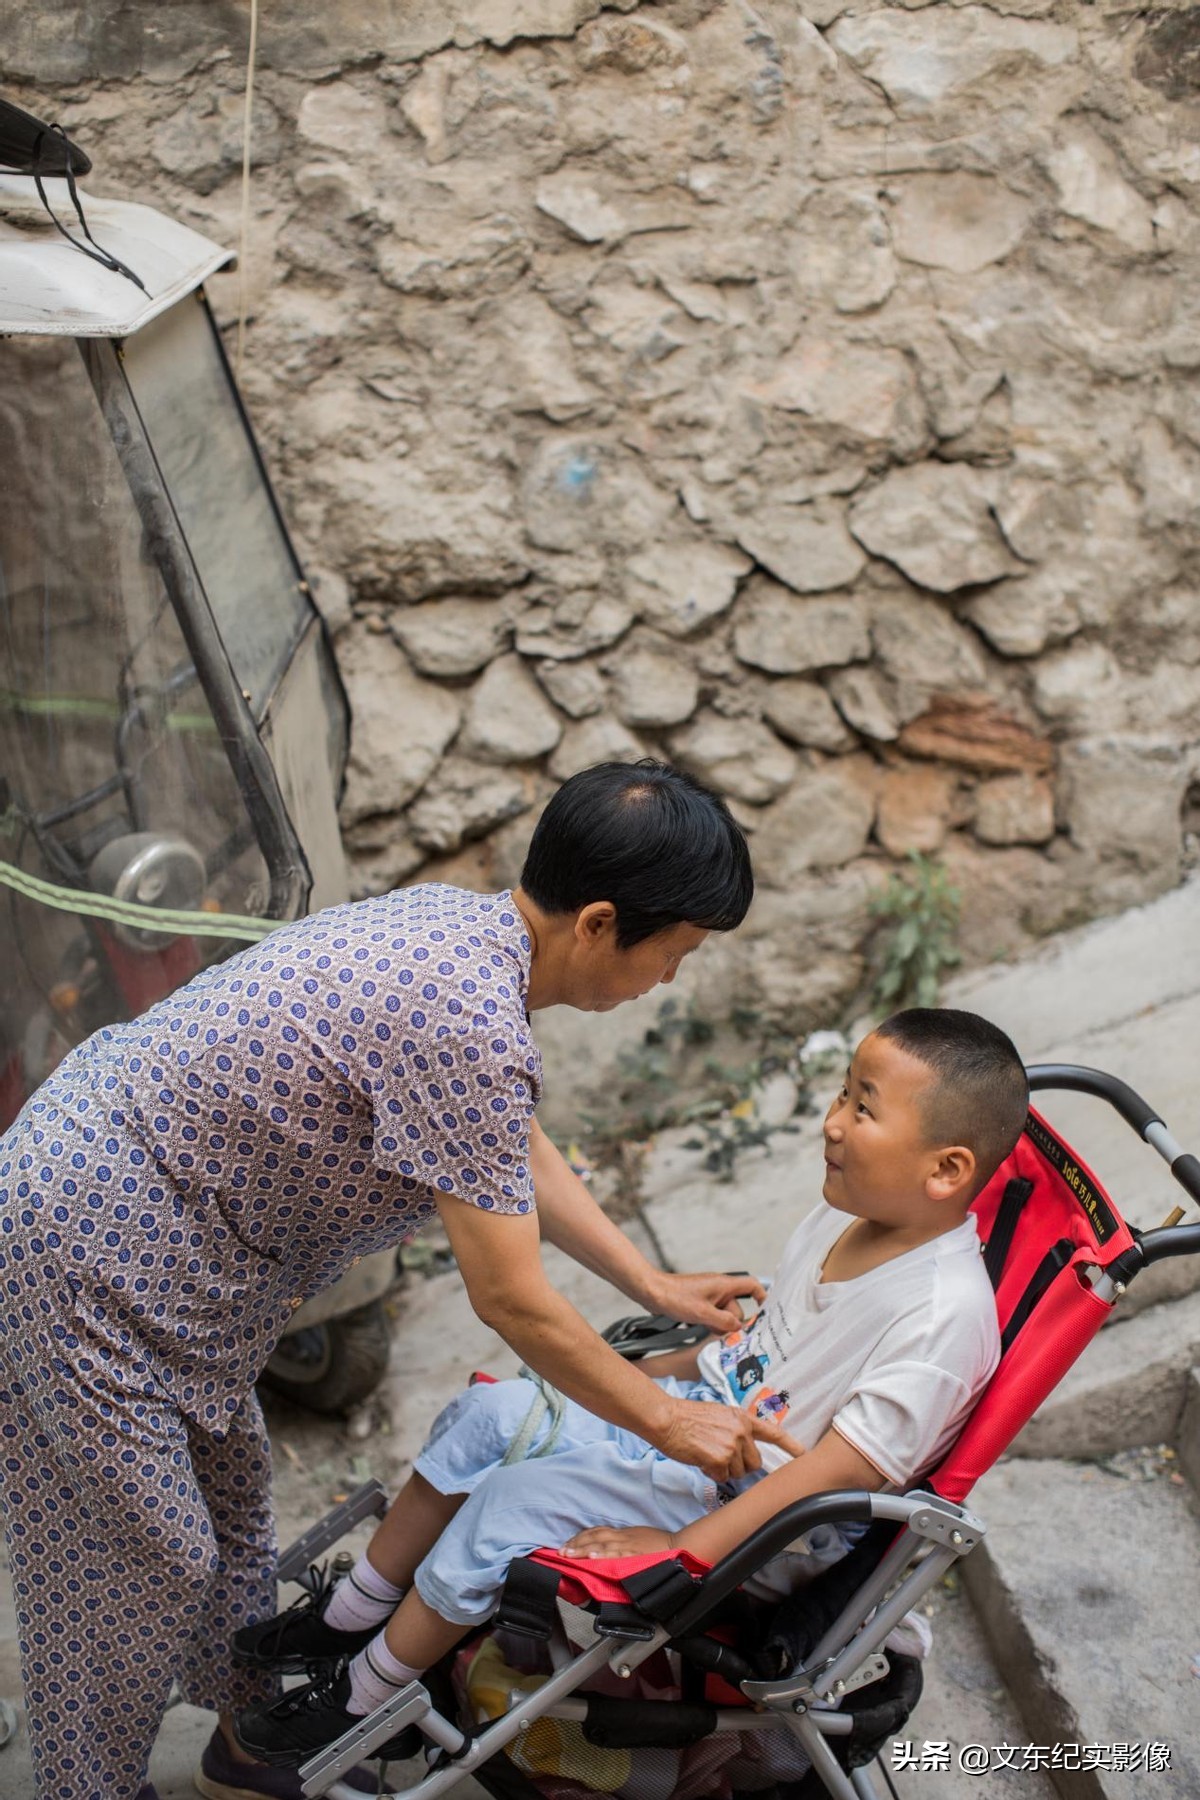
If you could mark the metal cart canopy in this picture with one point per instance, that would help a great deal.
(48, 287)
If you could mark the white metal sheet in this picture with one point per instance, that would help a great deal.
(48, 287)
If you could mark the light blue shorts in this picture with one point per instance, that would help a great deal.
(596, 1474)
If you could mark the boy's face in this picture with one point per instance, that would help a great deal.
(878, 1159)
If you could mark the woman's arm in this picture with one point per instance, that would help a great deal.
(573, 1222)
(498, 1256)
(832, 1463)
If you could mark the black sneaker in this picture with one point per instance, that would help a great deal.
(299, 1638)
(308, 1719)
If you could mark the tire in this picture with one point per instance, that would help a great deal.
(331, 1367)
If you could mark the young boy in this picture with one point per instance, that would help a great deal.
(875, 1340)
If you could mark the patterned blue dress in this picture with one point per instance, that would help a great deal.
(167, 1197)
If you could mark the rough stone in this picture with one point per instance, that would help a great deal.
(867, 701)
(1021, 617)
(779, 631)
(399, 727)
(461, 801)
(1121, 798)
(737, 756)
(808, 547)
(455, 262)
(872, 394)
(822, 821)
(201, 142)
(935, 522)
(381, 854)
(397, 535)
(579, 494)
(1091, 187)
(576, 688)
(1014, 809)
(802, 712)
(914, 808)
(843, 251)
(923, 648)
(1071, 684)
(576, 203)
(1170, 477)
(540, 361)
(680, 586)
(630, 46)
(973, 732)
(508, 717)
(923, 59)
(595, 740)
(341, 116)
(956, 221)
(331, 592)
(450, 637)
(575, 626)
(654, 685)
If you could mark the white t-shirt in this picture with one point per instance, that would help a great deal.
(894, 1358)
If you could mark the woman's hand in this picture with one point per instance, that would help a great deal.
(721, 1440)
(708, 1299)
(618, 1540)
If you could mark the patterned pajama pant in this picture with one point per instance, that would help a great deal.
(137, 1544)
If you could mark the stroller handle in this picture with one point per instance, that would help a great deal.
(1132, 1108)
(1170, 1240)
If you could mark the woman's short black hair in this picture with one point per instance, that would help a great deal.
(664, 849)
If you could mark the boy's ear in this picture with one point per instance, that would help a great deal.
(953, 1174)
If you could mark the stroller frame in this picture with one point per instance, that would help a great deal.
(936, 1528)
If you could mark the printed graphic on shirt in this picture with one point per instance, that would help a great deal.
(744, 1367)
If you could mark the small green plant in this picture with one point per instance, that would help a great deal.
(918, 913)
(672, 1078)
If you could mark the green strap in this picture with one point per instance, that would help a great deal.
(131, 912)
(546, 1400)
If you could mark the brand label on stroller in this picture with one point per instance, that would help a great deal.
(1100, 1214)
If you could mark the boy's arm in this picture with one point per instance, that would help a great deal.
(832, 1463)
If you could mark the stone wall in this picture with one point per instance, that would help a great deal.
(806, 392)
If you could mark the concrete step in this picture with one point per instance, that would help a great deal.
(1189, 1429)
(1088, 1585)
(1127, 1388)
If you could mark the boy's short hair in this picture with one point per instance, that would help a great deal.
(980, 1092)
(662, 847)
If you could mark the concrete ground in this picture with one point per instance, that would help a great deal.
(1123, 995)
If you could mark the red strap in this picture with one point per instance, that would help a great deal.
(600, 1578)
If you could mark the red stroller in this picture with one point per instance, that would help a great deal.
(661, 1679)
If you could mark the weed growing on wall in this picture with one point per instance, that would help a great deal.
(918, 916)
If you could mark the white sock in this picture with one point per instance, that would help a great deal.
(361, 1599)
(375, 1675)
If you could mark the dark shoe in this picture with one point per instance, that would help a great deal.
(147, 1791)
(299, 1638)
(288, 1731)
(221, 1777)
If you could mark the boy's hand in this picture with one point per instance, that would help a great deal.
(618, 1540)
(708, 1299)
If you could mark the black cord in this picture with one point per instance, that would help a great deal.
(883, 1770)
(97, 254)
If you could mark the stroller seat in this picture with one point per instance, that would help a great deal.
(660, 1658)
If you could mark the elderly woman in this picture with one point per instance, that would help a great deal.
(184, 1180)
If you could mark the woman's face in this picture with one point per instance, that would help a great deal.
(607, 976)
